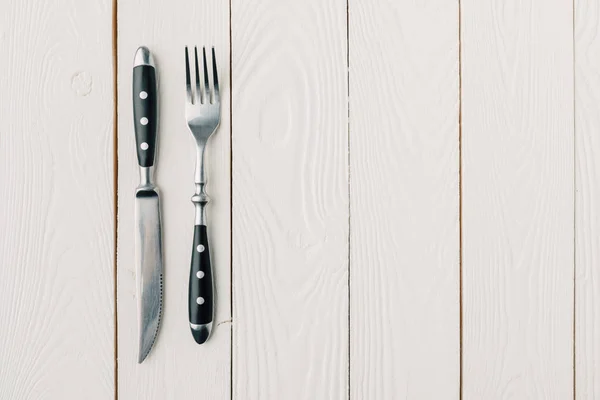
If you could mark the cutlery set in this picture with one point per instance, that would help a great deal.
(202, 113)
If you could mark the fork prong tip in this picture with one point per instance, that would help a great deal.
(188, 83)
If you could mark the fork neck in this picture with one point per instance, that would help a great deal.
(200, 175)
(200, 198)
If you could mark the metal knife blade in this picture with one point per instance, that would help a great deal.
(149, 268)
(148, 239)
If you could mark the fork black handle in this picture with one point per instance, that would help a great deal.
(200, 287)
(145, 115)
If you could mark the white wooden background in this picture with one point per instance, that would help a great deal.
(405, 200)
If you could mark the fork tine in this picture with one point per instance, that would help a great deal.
(215, 77)
(206, 86)
(188, 84)
(198, 90)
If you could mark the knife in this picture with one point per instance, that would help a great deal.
(148, 242)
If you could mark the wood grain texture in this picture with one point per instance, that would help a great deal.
(587, 198)
(177, 367)
(290, 199)
(404, 168)
(518, 202)
(57, 213)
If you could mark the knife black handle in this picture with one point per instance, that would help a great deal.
(200, 287)
(145, 113)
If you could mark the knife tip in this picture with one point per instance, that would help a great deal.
(142, 356)
(143, 57)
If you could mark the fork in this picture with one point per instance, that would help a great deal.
(203, 114)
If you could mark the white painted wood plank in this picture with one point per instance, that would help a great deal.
(404, 169)
(177, 367)
(290, 199)
(57, 191)
(518, 200)
(587, 199)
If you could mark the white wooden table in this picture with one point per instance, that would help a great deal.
(405, 200)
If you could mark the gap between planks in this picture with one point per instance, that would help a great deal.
(230, 207)
(574, 361)
(115, 189)
(349, 185)
(460, 211)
